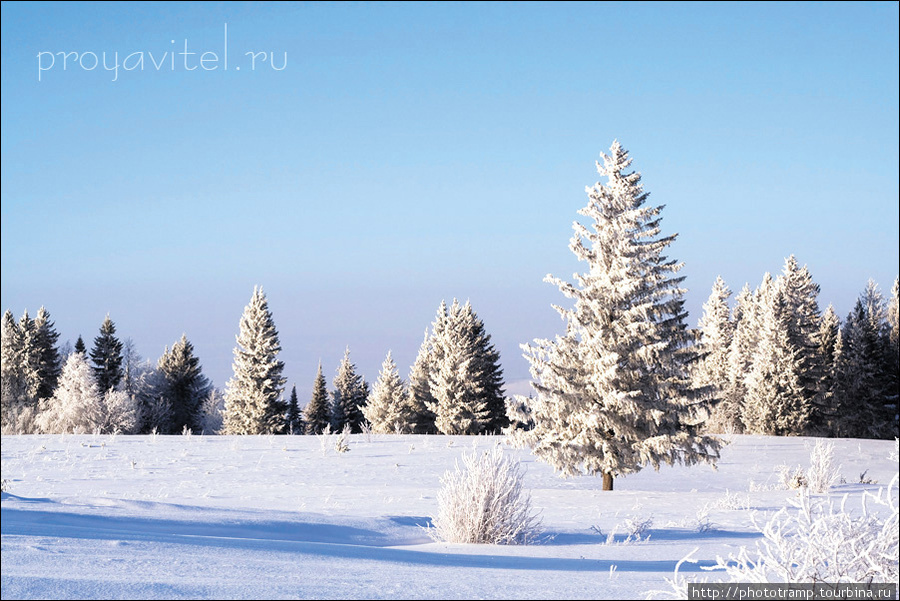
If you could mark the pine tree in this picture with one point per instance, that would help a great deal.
(253, 401)
(316, 414)
(775, 403)
(861, 411)
(107, 357)
(802, 322)
(75, 406)
(294, 419)
(488, 372)
(830, 347)
(457, 373)
(716, 331)
(419, 391)
(183, 386)
(893, 353)
(79, 346)
(614, 392)
(348, 397)
(13, 377)
(49, 366)
(387, 408)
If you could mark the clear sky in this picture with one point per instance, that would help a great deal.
(380, 158)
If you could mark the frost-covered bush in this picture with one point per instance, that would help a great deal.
(791, 478)
(821, 474)
(824, 543)
(820, 542)
(483, 501)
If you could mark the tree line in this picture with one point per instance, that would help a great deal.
(779, 365)
(455, 385)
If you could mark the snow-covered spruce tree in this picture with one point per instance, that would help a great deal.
(893, 353)
(829, 349)
(47, 354)
(460, 403)
(775, 402)
(211, 412)
(107, 357)
(613, 394)
(711, 371)
(253, 400)
(13, 380)
(419, 391)
(861, 405)
(183, 386)
(387, 409)
(803, 320)
(294, 418)
(348, 397)
(488, 371)
(465, 378)
(317, 414)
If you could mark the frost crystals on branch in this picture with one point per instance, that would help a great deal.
(614, 392)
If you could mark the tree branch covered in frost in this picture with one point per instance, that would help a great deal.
(484, 502)
(822, 474)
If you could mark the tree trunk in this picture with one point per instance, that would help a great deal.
(607, 481)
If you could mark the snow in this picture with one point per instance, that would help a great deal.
(271, 517)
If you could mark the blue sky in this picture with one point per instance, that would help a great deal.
(405, 154)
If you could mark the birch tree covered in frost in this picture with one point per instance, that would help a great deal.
(253, 401)
(614, 393)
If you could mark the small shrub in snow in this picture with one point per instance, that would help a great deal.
(791, 478)
(821, 474)
(484, 502)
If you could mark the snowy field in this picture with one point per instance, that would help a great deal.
(284, 517)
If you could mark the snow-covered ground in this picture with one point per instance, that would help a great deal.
(278, 517)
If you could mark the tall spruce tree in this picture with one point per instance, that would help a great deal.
(13, 376)
(419, 391)
(49, 365)
(317, 414)
(348, 397)
(294, 418)
(183, 386)
(106, 357)
(387, 408)
(716, 332)
(614, 392)
(254, 401)
(775, 402)
(829, 349)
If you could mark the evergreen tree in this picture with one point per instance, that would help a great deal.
(716, 332)
(253, 401)
(49, 365)
(387, 408)
(419, 391)
(317, 415)
(740, 357)
(457, 384)
(614, 392)
(75, 406)
(183, 386)
(893, 353)
(294, 419)
(107, 357)
(802, 321)
(775, 402)
(861, 411)
(13, 377)
(79, 346)
(348, 397)
(488, 372)
(830, 348)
